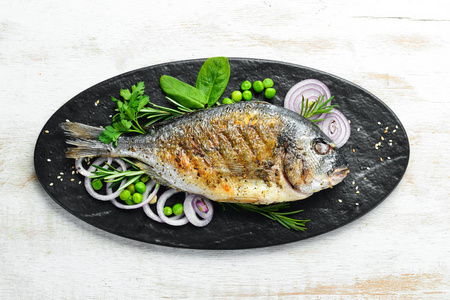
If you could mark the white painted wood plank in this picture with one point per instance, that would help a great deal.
(398, 50)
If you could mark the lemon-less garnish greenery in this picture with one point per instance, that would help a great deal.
(318, 107)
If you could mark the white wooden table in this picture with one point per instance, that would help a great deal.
(398, 50)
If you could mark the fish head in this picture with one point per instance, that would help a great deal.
(313, 163)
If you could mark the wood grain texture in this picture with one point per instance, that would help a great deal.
(50, 51)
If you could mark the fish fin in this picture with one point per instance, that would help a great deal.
(150, 172)
(85, 138)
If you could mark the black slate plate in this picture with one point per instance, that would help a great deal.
(369, 182)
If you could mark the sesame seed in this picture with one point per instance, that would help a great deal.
(67, 120)
(381, 159)
(358, 129)
(51, 184)
(365, 178)
(356, 187)
(396, 126)
(357, 192)
(353, 150)
(368, 168)
(58, 177)
(353, 182)
(394, 131)
(61, 173)
(339, 200)
(388, 157)
(73, 172)
(49, 160)
(46, 131)
(79, 182)
(61, 179)
(382, 138)
(72, 179)
(386, 128)
(379, 123)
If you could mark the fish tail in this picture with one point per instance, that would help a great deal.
(86, 142)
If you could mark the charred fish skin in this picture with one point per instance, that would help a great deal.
(245, 152)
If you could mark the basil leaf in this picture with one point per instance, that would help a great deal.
(213, 78)
(183, 93)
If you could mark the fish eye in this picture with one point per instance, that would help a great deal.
(321, 146)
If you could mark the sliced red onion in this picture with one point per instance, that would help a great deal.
(88, 181)
(310, 89)
(147, 199)
(189, 209)
(174, 221)
(336, 127)
(79, 166)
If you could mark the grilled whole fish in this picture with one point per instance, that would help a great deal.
(248, 152)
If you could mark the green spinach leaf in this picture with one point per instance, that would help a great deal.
(213, 78)
(183, 93)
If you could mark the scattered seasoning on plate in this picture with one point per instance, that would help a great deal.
(47, 131)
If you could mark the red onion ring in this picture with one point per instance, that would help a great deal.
(174, 221)
(188, 206)
(336, 127)
(88, 181)
(79, 166)
(310, 89)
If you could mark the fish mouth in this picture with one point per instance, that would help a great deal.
(338, 175)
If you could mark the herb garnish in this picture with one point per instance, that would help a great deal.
(272, 212)
(126, 120)
(317, 107)
(116, 176)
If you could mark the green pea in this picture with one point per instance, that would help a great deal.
(227, 101)
(129, 201)
(167, 210)
(124, 195)
(140, 187)
(268, 83)
(97, 184)
(258, 86)
(236, 96)
(131, 188)
(177, 209)
(145, 178)
(270, 93)
(247, 95)
(246, 85)
(137, 198)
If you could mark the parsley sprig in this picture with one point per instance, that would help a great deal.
(273, 212)
(126, 120)
(317, 107)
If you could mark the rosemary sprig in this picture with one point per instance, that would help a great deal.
(318, 107)
(158, 113)
(273, 212)
(116, 176)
